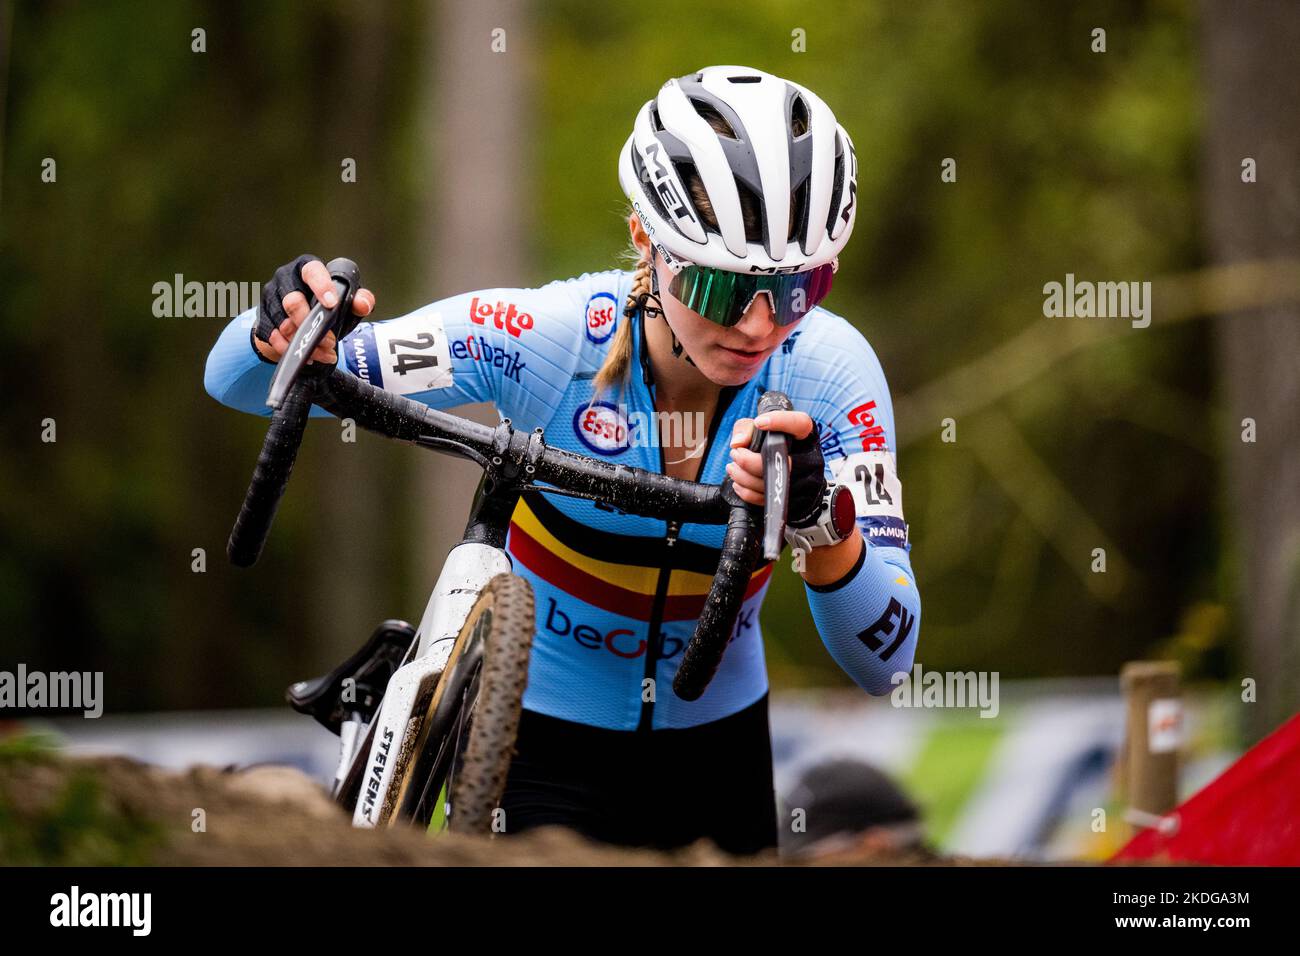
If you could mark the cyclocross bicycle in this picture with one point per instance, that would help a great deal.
(427, 716)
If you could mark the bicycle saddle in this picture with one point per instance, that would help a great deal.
(370, 668)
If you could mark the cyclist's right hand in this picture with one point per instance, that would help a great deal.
(284, 306)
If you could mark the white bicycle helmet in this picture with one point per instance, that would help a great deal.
(783, 154)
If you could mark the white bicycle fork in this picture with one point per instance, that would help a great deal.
(468, 569)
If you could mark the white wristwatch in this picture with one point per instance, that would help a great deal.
(835, 521)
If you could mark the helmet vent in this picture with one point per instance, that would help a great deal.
(799, 212)
(744, 79)
(751, 209)
(836, 186)
(799, 118)
(715, 119)
(656, 123)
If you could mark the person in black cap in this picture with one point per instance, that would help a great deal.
(850, 809)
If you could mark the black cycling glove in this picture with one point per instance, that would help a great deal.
(288, 278)
(807, 479)
(270, 313)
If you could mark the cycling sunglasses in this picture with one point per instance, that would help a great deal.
(723, 296)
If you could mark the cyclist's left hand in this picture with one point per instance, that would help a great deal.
(807, 466)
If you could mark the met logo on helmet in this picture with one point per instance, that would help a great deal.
(847, 212)
(602, 317)
(664, 186)
(603, 428)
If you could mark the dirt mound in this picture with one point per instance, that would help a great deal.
(56, 810)
(113, 810)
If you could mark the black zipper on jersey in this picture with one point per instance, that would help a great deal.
(646, 723)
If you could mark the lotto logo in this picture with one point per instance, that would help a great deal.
(602, 317)
(503, 314)
(872, 434)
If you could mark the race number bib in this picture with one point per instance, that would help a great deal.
(872, 476)
(404, 356)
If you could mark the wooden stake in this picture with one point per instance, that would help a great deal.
(1154, 735)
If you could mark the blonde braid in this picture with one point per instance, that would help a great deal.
(615, 367)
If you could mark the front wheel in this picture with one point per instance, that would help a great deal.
(467, 740)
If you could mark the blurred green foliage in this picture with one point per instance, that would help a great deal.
(80, 826)
(224, 164)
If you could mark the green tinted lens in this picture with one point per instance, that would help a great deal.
(723, 297)
(710, 292)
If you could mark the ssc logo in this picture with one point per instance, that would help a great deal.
(602, 317)
(602, 428)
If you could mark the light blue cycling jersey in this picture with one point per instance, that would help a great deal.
(618, 595)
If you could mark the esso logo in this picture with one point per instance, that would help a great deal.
(602, 428)
(602, 317)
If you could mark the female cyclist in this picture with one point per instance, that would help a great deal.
(742, 189)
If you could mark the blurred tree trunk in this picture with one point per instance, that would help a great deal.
(477, 137)
(1253, 99)
(355, 555)
(6, 25)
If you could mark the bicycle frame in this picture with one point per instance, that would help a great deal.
(478, 558)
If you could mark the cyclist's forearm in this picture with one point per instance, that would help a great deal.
(829, 564)
(869, 618)
(235, 375)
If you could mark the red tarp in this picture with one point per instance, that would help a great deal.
(1247, 816)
